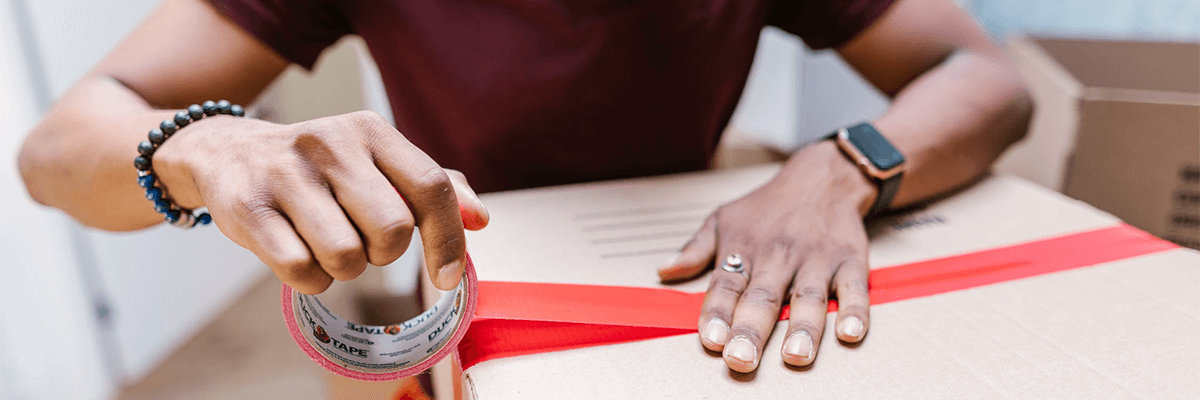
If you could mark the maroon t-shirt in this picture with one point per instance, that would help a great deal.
(524, 93)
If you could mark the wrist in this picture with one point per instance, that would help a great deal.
(177, 159)
(825, 162)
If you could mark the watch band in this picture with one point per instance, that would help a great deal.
(887, 190)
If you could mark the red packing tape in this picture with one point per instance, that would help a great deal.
(509, 319)
(513, 319)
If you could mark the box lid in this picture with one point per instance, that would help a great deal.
(1122, 327)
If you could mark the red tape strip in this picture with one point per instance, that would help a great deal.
(515, 318)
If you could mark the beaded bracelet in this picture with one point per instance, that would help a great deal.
(155, 192)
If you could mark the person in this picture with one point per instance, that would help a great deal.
(516, 94)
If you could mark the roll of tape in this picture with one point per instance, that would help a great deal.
(381, 353)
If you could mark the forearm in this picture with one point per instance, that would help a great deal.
(952, 122)
(79, 158)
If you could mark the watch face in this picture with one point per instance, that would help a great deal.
(874, 147)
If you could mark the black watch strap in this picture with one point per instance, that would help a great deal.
(887, 191)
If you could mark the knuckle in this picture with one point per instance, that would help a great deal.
(853, 309)
(852, 286)
(449, 248)
(811, 294)
(725, 286)
(454, 174)
(396, 229)
(315, 128)
(294, 269)
(318, 287)
(784, 244)
(434, 182)
(346, 256)
(390, 243)
(790, 248)
(346, 249)
(367, 117)
(853, 263)
(319, 149)
(761, 295)
(252, 207)
(741, 330)
(813, 330)
(846, 257)
(370, 124)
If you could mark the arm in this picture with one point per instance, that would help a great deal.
(315, 201)
(78, 157)
(958, 104)
(958, 101)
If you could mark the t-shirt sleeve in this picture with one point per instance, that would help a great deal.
(299, 30)
(826, 23)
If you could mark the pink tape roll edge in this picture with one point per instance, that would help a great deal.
(450, 348)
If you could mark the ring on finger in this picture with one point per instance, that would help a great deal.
(734, 263)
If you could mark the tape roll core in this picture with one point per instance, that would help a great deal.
(381, 353)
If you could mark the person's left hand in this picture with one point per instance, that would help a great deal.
(801, 231)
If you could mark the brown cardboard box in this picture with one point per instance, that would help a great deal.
(1122, 329)
(1118, 126)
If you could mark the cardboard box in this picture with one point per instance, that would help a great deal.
(1120, 329)
(1118, 126)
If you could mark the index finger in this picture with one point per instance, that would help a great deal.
(429, 190)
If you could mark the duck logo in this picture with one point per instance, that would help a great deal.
(319, 333)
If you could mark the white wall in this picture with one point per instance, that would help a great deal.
(1166, 19)
(49, 341)
(795, 95)
(157, 285)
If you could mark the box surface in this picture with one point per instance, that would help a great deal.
(1118, 126)
(1117, 330)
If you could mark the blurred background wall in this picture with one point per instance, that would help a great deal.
(83, 312)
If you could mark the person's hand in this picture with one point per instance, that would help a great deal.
(802, 231)
(318, 200)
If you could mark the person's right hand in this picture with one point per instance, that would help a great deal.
(318, 200)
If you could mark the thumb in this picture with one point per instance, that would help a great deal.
(695, 256)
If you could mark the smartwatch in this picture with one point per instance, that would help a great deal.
(875, 157)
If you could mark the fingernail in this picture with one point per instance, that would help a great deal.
(672, 261)
(482, 207)
(471, 220)
(664, 272)
(449, 274)
(799, 345)
(716, 331)
(742, 350)
(852, 327)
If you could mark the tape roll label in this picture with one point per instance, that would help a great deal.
(379, 349)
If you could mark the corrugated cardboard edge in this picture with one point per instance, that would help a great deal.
(1141, 96)
(1026, 49)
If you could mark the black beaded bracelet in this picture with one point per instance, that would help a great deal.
(155, 192)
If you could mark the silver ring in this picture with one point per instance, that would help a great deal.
(734, 263)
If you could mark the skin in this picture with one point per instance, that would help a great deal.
(315, 201)
(957, 104)
(321, 199)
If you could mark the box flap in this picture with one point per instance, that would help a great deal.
(1144, 66)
